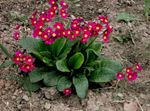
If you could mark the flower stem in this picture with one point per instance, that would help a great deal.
(90, 44)
(77, 46)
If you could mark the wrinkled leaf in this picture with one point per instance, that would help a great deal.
(50, 78)
(30, 86)
(36, 75)
(35, 46)
(81, 85)
(30, 44)
(63, 83)
(102, 75)
(62, 66)
(114, 65)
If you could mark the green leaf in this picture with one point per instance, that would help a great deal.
(66, 49)
(97, 46)
(30, 86)
(62, 66)
(30, 44)
(147, 7)
(63, 83)
(114, 65)
(6, 64)
(84, 47)
(57, 47)
(68, 25)
(76, 60)
(124, 16)
(91, 55)
(81, 85)
(105, 71)
(43, 47)
(47, 61)
(45, 53)
(123, 38)
(51, 78)
(14, 15)
(119, 39)
(33, 45)
(95, 64)
(5, 51)
(36, 75)
(102, 75)
(90, 69)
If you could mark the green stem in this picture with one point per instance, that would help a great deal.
(76, 50)
(90, 44)
(71, 74)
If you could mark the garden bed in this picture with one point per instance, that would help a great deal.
(126, 96)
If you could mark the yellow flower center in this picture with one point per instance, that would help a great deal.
(58, 27)
(54, 35)
(43, 18)
(40, 33)
(77, 32)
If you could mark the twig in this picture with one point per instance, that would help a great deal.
(121, 101)
(133, 41)
(139, 103)
(131, 35)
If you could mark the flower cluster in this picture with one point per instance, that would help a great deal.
(131, 74)
(108, 31)
(78, 26)
(48, 35)
(25, 62)
(16, 33)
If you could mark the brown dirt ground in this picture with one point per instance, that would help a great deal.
(125, 97)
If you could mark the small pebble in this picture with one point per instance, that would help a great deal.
(100, 11)
(99, 0)
(120, 95)
(78, 5)
(25, 97)
(47, 106)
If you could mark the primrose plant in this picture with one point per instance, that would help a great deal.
(65, 53)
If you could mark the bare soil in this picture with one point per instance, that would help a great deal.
(125, 97)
